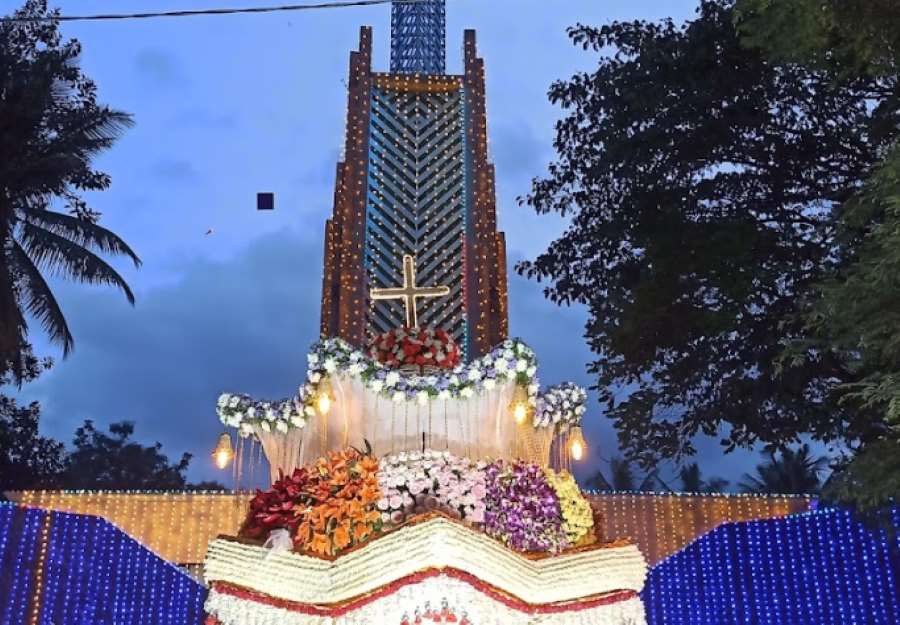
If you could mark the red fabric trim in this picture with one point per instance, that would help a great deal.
(416, 578)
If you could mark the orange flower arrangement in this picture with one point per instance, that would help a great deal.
(327, 506)
(341, 512)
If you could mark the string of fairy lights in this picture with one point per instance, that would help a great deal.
(378, 134)
(818, 568)
(70, 569)
(821, 567)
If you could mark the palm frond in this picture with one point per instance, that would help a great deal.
(97, 130)
(38, 299)
(81, 232)
(63, 257)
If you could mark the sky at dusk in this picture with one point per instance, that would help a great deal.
(228, 106)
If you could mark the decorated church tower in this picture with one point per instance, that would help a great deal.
(413, 240)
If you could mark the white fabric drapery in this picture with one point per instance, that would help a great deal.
(479, 427)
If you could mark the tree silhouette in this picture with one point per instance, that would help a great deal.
(788, 472)
(622, 478)
(51, 128)
(103, 462)
(692, 480)
(702, 183)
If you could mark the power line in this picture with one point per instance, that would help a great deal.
(193, 12)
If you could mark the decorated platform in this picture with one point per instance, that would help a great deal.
(430, 563)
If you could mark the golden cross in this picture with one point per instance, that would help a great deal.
(409, 292)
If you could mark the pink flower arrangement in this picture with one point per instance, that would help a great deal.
(416, 482)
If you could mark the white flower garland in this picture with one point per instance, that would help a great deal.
(512, 360)
(242, 412)
(563, 404)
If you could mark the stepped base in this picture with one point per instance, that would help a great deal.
(435, 569)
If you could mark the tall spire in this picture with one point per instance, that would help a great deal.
(417, 37)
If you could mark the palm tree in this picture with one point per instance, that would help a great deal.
(50, 129)
(692, 480)
(791, 472)
(622, 478)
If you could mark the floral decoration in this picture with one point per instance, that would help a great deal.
(422, 347)
(327, 507)
(417, 482)
(276, 508)
(242, 412)
(577, 514)
(561, 404)
(512, 360)
(523, 510)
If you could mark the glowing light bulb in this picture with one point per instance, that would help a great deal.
(223, 459)
(223, 454)
(577, 450)
(577, 444)
(324, 403)
(520, 412)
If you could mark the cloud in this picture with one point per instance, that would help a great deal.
(205, 119)
(175, 170)
(243, 326)
(517, 151)
(158, 68)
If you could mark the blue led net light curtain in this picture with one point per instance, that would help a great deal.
(818, 568)
(71, 569)
(417, 37)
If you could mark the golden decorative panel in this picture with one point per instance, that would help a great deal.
(178, 525)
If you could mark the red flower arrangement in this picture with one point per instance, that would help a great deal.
(326, 508)
(417, 347)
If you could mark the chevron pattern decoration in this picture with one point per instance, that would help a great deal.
(416, 204)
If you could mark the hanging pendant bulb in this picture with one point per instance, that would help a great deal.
(519, 405)
(325, 397)
(577, 444)
(224, 452)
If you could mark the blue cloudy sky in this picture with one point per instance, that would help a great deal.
(229, 106)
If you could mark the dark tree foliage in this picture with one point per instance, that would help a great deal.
(622, 478)
(692, 481)
(855, 312)
(115, 462)
(51, 127)
(789, 472)
(849, 37)
(27, 459)
(703, 182)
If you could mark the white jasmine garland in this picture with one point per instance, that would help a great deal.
(512, 360)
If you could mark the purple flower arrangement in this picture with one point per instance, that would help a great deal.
(523, 510)
(416, 482)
